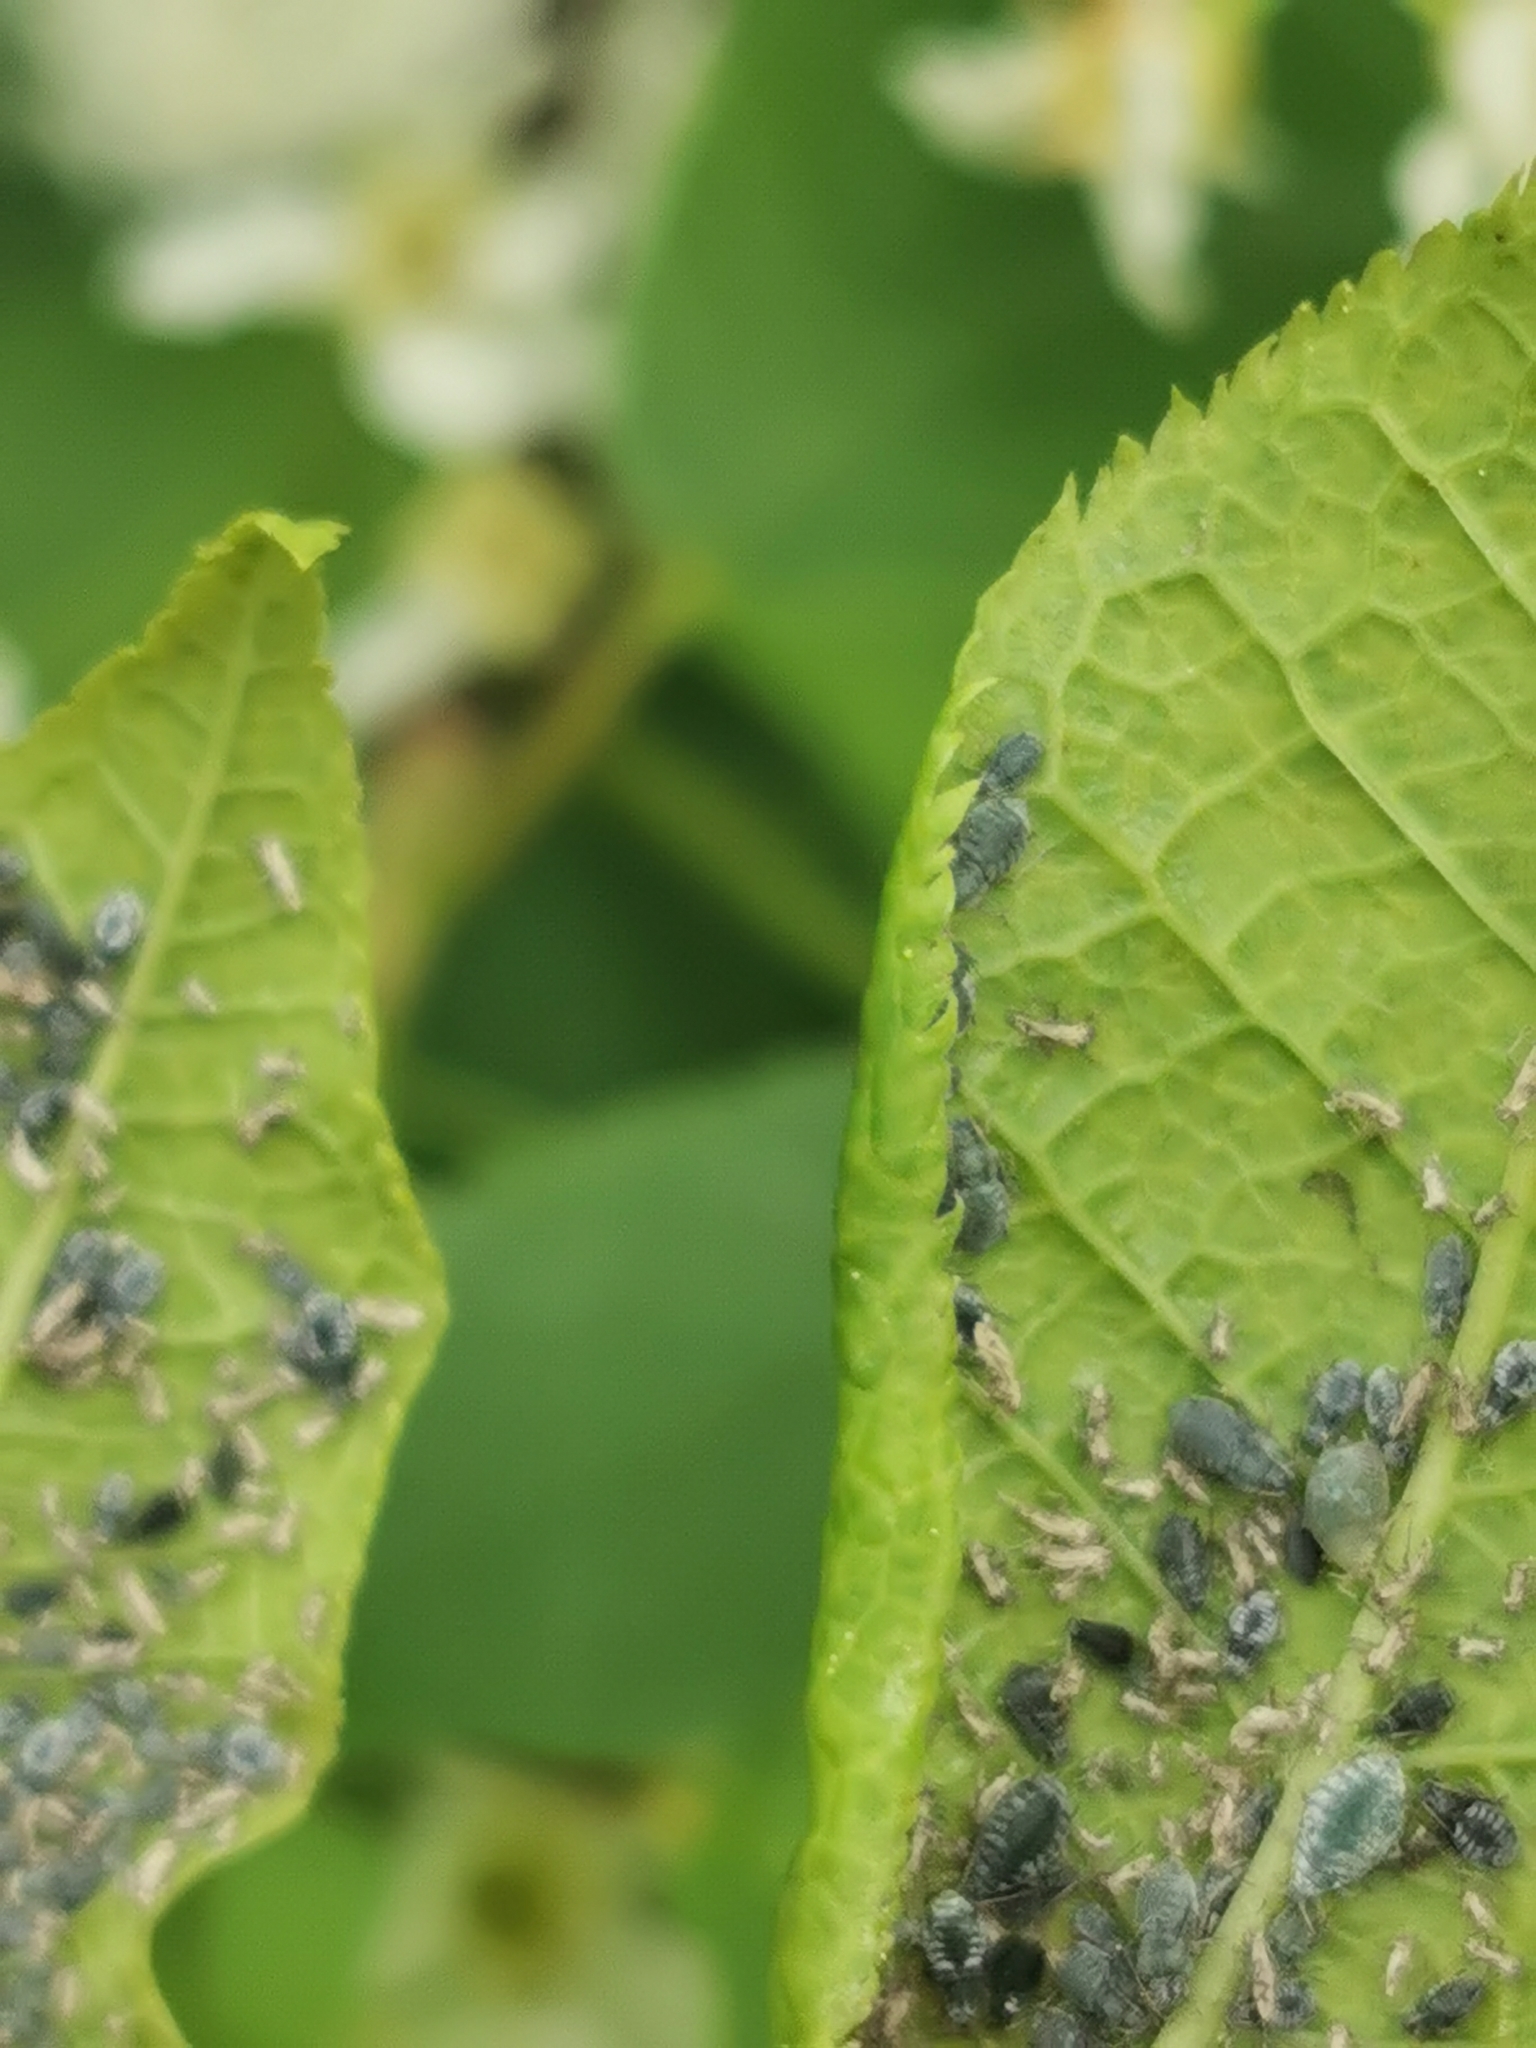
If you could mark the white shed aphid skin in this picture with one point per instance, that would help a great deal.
(1522, 1091)
(1394, 1973)
(1486, 1214)
(1478, 1649)
(1218, 1337)
(27, 1170)
(990, 1572)
(1434, 1186)
(282, 877)
(1180, 1476)
(1479, 1912)
(1517, 1586)
(314, 1610)
(198, 998)
(1496, 1958)
(1053, 1034)
(1382, 1657)
(253, 1124)
(390, 1317)
(1140, 1708)
(1373, 1116)
(1096, 1414)
(1144, 1487)
(280, 1066)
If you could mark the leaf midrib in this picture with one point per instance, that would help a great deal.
(1417, 1520)
(34, 1250)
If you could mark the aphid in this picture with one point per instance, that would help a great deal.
(1056, 2028)
(1221, 1442)
(50, 1749)
(1030, 1705)
(1448, 1269)
(1290, 2005)
(132, 1283)
(1053, 1034)
(1522, 1091)
(1511, 1388)
(1346, 1502)
(1099, 1976)
(1251, 1822)
(1013, 1968)
(1217, 1888)
(1443, 2007)
(1373, 1116)
(276, 864)
(1301, 1551)
(1167, 1903)
(1253, 1626)
(1383, 1402)
(1394, 1972)
(1015, 1851)
(66, 1883)
(161, 1515)
(41, 1113)
(975, 1179)
(987, 1568)
(28, 1597)
(1352, 1821)
(1291, 1934)
(118, 925)
(988, 842)
(1010, 762)
(1423, 1709)
(66, 1034)
(962, 983)
(112, 1505)
(1106, 1643)
(1183, 1562)
(1336, 1398)
(251, 1754)
(323, 1343)
(1474, 1825)
(226, 1469)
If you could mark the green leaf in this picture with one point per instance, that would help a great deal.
(1281, 664)
(222, 1106)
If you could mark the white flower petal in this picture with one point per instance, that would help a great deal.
(1436, 175)
(1490, 68)
(544, 242)
(203, 268)
(450, 387)
(984, 97)
(398, 650)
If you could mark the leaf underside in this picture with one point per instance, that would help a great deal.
(222, 1106)
(1283, 664)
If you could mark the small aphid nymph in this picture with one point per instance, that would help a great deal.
(1030, 1703)
(1015, 1853)
(1423, 1709)
(1012, 761)
(1336, 1398)
(1104, 1643)
(1183, 1561)
(988, 843)
(1253, 1627)
(975, 1179)
(1448, 1270)
(323, 1343)
(1443, 2007)
(1473, 1824)
(1511, 1388)
(118, 925)
(1014, 1968)
(954, 1943)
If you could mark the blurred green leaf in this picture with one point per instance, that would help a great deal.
(117, 448)
(1283, 873)
(206, 771)
(601, 1537)
(858, 371)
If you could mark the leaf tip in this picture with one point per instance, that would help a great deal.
(305, 540)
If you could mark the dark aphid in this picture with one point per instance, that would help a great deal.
(1253, 1626)
(985, 1220)
(128, 1701)
(1057, 2028)
(988, 842)
(1421, 1710)
(1032, 1710)
(226, 1469)
(1253, 1817)
(118, 925)
(1352, 1821)
(60, 952)
(323, 1344)
(963, 982)
(1291, 1934)
(1294, 2006)
(50, 1749)
(1167, 1904)
(66, 1883)
(42, 1112)
(161, 1515)
(1183, 1561)
(286, 1274)
(1511, 1388)
(1448, 1269)
(132, 1283)
(66, 1033)
(1104, 1643)
(1217, 1439)
(1218, 1887)
(1443, 2007)
(1013, 1968)
(250, 1754)
(970, 1309)
(112, 1506)
(1383, 1404)
(954, 1945)
(84, 1256)
(1099, 1976)
(1011, 762)
(1301, 1552)
(1336, 1398)
(26, 1598)
(1346, 1502)
(1474, 1824)
(975, 1179)
(1016, 1845)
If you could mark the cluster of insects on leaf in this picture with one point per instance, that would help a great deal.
(1013, 1921)
(120, 1761)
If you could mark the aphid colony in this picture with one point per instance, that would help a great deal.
(1012, 1922)
(115, 1763)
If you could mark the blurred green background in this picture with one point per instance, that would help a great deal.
(631, 788)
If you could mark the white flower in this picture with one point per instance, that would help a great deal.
(1145, 101)
(1458, 158)
(358, 163)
